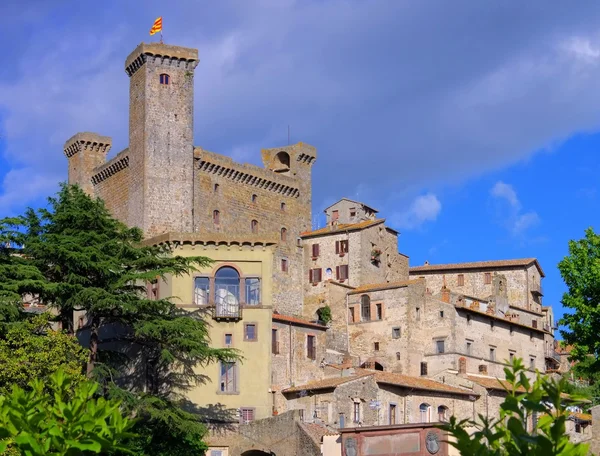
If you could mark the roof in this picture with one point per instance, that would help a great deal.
(296, 320)
(406, 381)
(580, 416)
(327, 383)
(384, 286)
(316, 432)
(479, 265)
(342, 228)
(492, 383)
(352, 201)
(502, 319)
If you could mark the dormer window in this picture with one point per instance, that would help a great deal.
(165, 79)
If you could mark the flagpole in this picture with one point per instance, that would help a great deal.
(161, 37)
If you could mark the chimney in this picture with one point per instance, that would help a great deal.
(462, 365)
(483, 369)
(426, 263)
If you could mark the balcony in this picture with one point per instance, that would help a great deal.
(536, 289)
(552, 354)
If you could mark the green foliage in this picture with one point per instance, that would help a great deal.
(325, 314)
(509, 434)
(580, 271)
(67, 422)
(31, 349)
(75, 256)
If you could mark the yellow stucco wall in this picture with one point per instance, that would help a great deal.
(254, 371)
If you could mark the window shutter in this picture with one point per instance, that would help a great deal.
(319, 275)
(337, 246)
(337, 272)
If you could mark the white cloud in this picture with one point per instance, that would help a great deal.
(511, 215)
(423, 209)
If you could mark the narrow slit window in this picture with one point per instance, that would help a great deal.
(254, 226)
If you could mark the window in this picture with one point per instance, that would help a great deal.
(250, 332)
(341, 247)
(365, 308)
(532, 362)
(282, 207)
(356, 410)
(254, 226)
(468, 319)
(492, 353)
(228, 339)
(311, 348)
(164, 79)
(439, 346)
(469, 347)
(341, 272)
(216, 218)
(80, 323)
(254, 198)
(398, 356)
(314, 275)
(441, 314)
(216, 452)
(227, 380)
(216, 188)
(335, 215)
(378, 312)
(511, 330)
(302, 415)
(152, 289)
(578, 428)
(315, 250)
(396, 332)
(511, 356)
(227, 292)
(352, 212)
(274, 341)
(376, 346)
(442, 413)
(392, 414)
(351, 316)
(418, 313)
(461, 280)
(201, 291)
(252, 291)
(487, 278)
(492, 324)
(284, 265)
(425, 413)
(283, 234)
(246, 415)
(423, 368)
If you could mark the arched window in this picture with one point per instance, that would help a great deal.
(425, 413)
(283, 207)
(365, 308)
(283, 234)
(254, 226)
(442, 413)
(254, 198)
(227, 292)
(216, 217)
(281, 163)
(216, 188)
(165, 79)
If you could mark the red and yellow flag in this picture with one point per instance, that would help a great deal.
(157, 27)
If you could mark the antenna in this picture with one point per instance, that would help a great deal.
(288, 135)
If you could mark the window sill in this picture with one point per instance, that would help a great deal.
(228, 393)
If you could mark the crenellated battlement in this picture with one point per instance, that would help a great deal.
(161, 54)
(87, 141)
(111, 167)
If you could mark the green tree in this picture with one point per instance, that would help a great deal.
(580, 270)
(31, 349)
(70, 421)
(144, 351)
(509, 434)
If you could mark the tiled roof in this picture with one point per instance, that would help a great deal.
(503, 319)
(316, 432)
(390, 378)
(581, 416)
(296, 320)
(383, 286)
(327, 383)
(492, 383)
(478, 265)
(352, 201)
(342, 228)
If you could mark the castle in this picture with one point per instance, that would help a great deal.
(336, 329)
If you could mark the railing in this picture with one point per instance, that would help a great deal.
(552, 354)
(536, 288)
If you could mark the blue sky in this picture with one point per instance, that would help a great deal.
(472, 126)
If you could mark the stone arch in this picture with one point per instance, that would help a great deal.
(281, 162)
(257, 453)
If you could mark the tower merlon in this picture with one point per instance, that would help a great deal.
(177, 56)
(87, 141)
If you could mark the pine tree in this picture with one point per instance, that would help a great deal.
(75, 257)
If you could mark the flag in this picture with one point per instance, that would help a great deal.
(157, 27)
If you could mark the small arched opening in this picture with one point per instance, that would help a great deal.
(227, 292)
(281, 163)
(443, 414)
(257, 453)
(425, 413)
(373, 365)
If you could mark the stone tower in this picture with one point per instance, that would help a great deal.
(85, 152)
(161, 152)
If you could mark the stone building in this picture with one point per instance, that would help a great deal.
(421, 343)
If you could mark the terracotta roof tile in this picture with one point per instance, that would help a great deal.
(342, 227)
(492, 383)
(390, 378)
(327, 383)
(581, 416)
(299, 321)
(383, 286)
(316, 432)
(478, 265)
